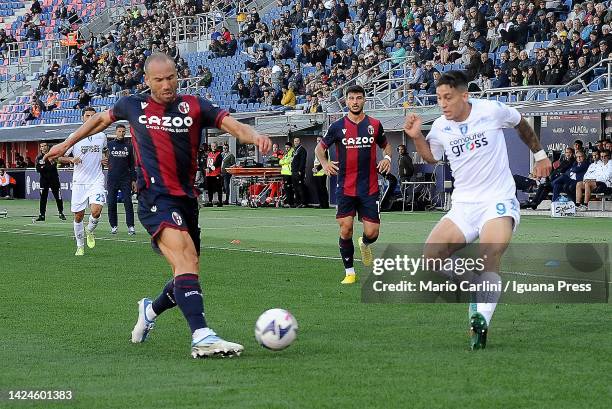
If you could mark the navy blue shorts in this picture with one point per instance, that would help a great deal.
(364, 206)
(157, 212)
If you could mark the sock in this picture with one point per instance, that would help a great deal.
(349, 271)
(486, 300)
(367, 241)
(163, 302)
(149, 313)
(79, 234)
(347, 251)
(202, 333)
(188, 296)
(93, 223)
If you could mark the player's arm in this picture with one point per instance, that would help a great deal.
(69, 158)
(542, 167)
(329, 167)
(384, 166)
(95, 124)
(245, 133)
(412, 127)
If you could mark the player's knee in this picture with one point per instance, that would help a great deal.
(437, 251)
(189, 260)
(78, 217)
(371, 233)
(96, 213)
(346, 232)
(491, 255)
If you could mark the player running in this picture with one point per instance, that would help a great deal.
(166, 130)
(87, 156)
(484, 204)
(356, 137)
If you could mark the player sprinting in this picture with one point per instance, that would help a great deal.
(166, 130)
(356, 137)
(87, 156)
(484, 205)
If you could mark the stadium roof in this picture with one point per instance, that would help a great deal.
(587, 103)
(392, 119)
(59, 132)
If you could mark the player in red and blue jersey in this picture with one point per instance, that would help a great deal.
(356, 137)
(166, 130)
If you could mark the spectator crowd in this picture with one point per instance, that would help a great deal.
(341, 49)
(315, 47)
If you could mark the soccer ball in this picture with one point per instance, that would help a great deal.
(276, 329)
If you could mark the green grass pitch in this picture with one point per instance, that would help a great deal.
(65, 323)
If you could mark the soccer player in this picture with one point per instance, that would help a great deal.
(484, 205)
(356, 137)
(166, 131)
(87, 156)
(121, 176)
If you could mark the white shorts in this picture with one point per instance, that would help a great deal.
(83, 195)
(470, 217)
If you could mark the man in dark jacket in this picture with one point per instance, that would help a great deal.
(121, 176)
(298, 173)
(487, 66)
(213, 175)
(565, 163)
(49, 179)
(553, 72)
(567, 180)
(404, 164)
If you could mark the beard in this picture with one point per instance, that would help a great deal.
(357, 111)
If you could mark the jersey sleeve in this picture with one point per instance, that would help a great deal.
(119, 111)
(435, 144)
(381, 138)
(331, 136)
(506, 116)
(211, 116)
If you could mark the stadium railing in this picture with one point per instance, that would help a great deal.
(602, 76)
(12, 80)
(195, 28)
(389, 88)
(32, 53)
(103, 22)
(335, 102)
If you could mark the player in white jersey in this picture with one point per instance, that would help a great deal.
(484, 204)
(87, 156)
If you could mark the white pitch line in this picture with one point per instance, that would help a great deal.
(266, 226)
(275, 253)
(270, 252)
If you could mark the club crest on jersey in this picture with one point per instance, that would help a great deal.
(463, 128)
(183, 108)
(177, 218)
(370, 129)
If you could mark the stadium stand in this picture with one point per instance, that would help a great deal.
(315, 46)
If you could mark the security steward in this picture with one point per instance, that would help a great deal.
(121, 176)
(49, 179)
